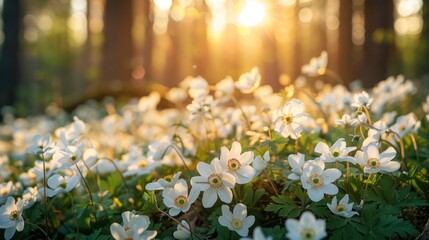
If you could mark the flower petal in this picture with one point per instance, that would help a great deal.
(240, 211)
(204, 169)
(225, 194)
(322, 148)
(315, 194)
(209, 198)
(330, 189)
(330, 175)
(226, 213)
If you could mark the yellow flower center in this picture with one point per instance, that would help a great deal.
(316, 180)
(215, 181)
(181, 201)
(14, 215)
(341, 207)
(308, 233)
(373, 163)
(168, 178)
(287, 119)
(236, 223)
(234, 164)
(63, 185)
(142, 163)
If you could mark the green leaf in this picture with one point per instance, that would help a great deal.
(320, 209)
(149, 203)
(251, 197)
(392, 227)
(283, 206)
(336, 222)
(276, 232)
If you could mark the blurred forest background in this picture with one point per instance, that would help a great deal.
(69, 51)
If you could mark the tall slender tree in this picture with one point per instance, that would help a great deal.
(118, 43)
(9, 62)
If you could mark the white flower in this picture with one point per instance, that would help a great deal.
(237, 163)
(373, 161)
(306, 228)
(182, 231)
(68, 157)
(214, 181)
(201, 108)
(30, 196)
(61, 184)
(318, 181)
(164, 183)
(258, 235)
(133, 227)
(296, 162)
(406, 124)
(176, 95)
(225, 87)
(237, 220)
(343, 208)
(249, 81)
(376, 133)
(346, 121)
(317, 66)
(426, 107)
(288, 119)
(158, 149)
(11, 217)
(149, 103)
(338, 152)
(6, 189)
(198, 87)
(362, 100)
(177, 198)
(75, 129)
(260, 163)
(41, 145)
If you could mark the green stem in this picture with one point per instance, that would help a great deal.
(39, 228)
(120, 173)
(242, 111)
(180, 156)
(45, 199)
(413, 140)
(176, 221)
(89, 192)
(74, 216)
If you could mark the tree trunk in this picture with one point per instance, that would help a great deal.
(9, 62)
(345, 44)
(378, 40)
(118, 44)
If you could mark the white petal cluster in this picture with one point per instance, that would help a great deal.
(11, 217)
(342, 208)
(288, 119)
(237, 220)
(317, 65)
(319, 181)
(308, 227)
(373, 161)
(214, 182)
(133, 226)
(337, 152)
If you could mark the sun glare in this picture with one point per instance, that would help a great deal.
(252, 14)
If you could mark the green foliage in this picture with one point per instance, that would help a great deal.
(284, 206)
